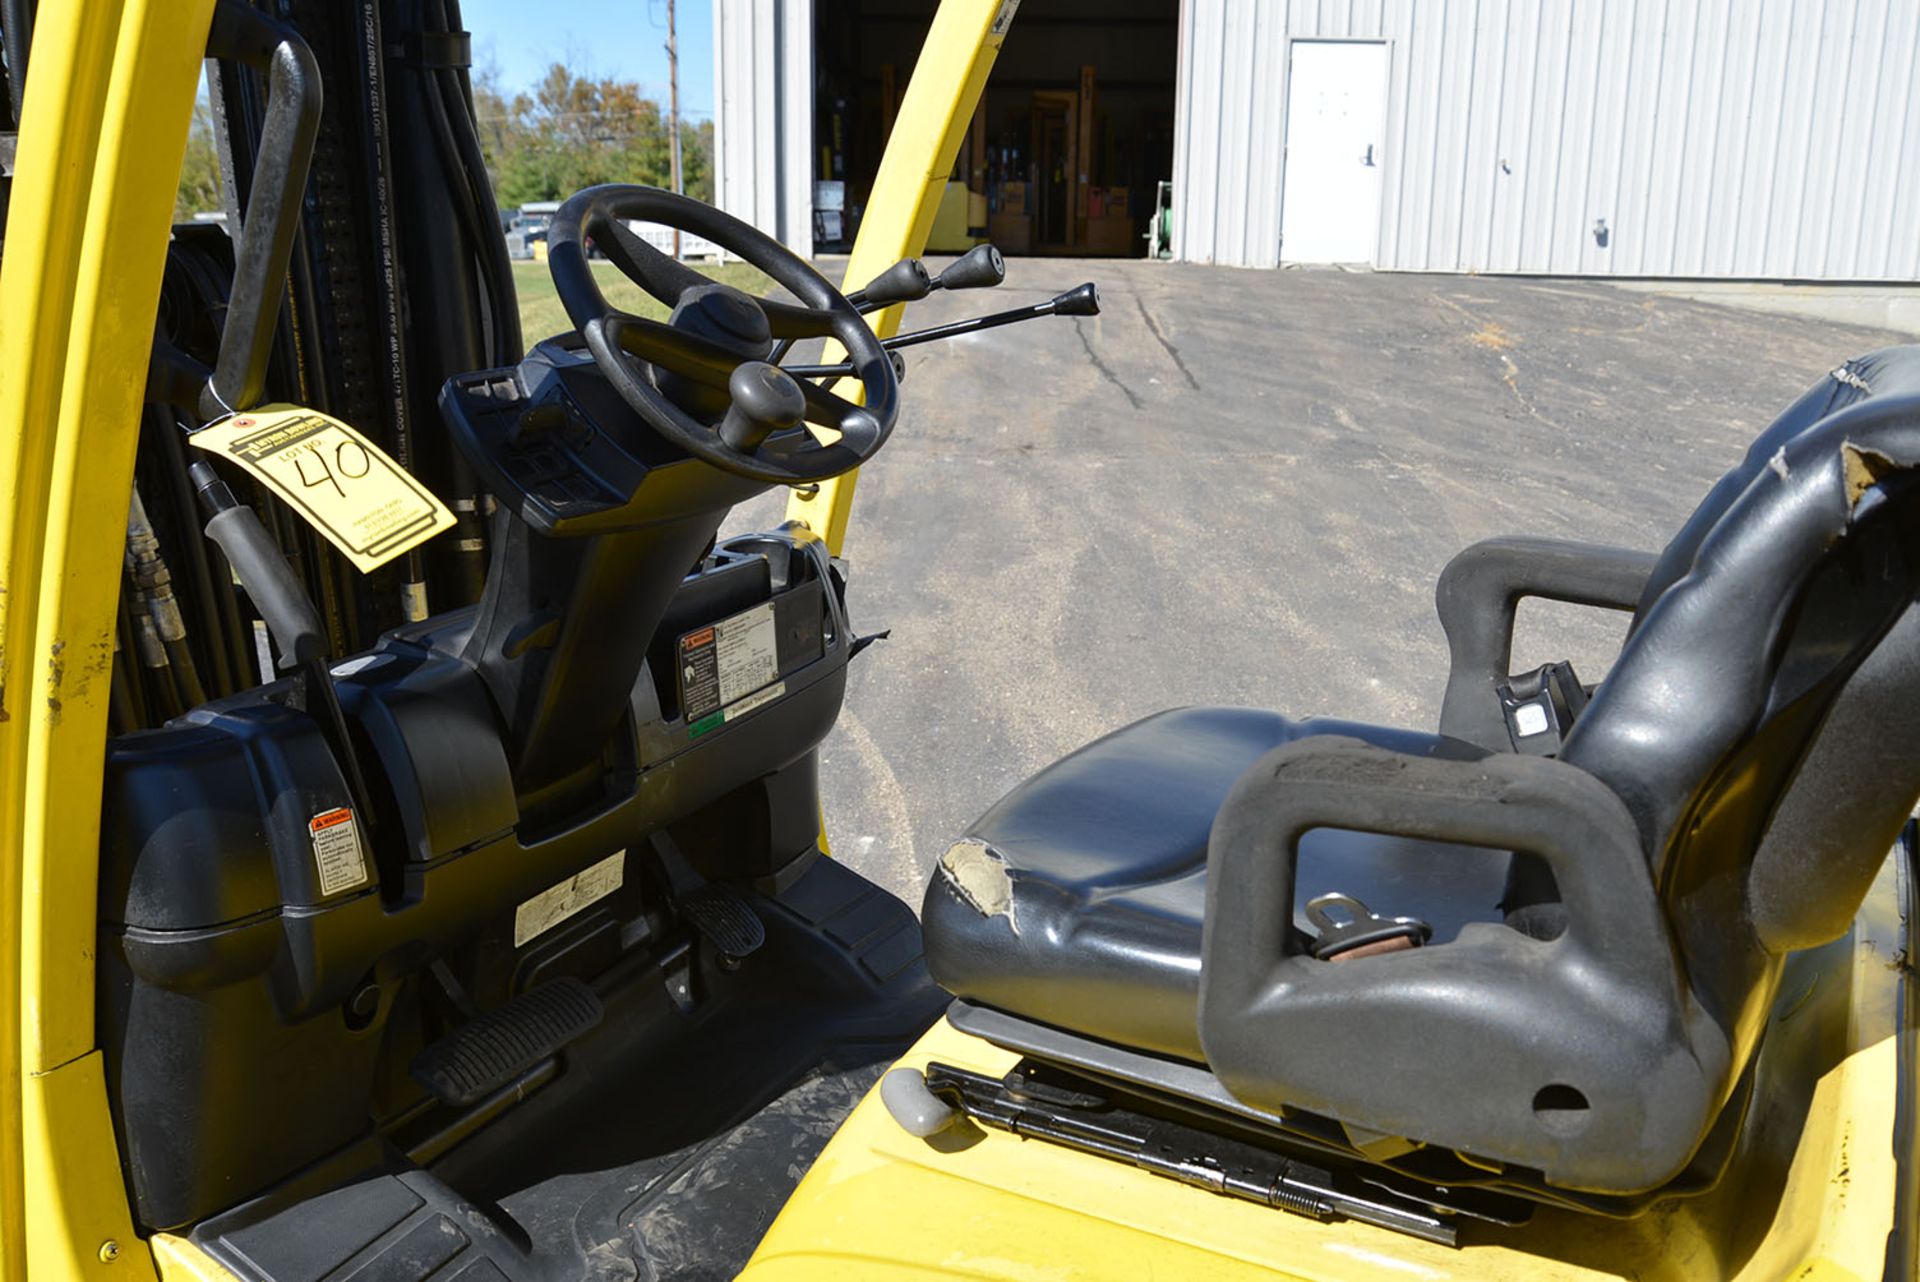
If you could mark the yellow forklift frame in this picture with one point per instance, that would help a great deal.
(87, 238)
(91, 209)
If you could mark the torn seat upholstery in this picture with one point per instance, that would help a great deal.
(1608, 924)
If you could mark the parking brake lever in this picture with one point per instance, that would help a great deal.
(290, 615)
(1081, 300)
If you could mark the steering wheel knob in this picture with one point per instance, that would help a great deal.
(766, 399)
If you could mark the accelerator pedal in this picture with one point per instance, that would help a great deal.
(490, 1050)
(725, 919)
(733, 928)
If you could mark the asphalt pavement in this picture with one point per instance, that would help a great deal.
(1238, 487)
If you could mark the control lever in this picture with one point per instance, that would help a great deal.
(981, 267)
(904, 282)
(289, 614)
(766, 399)
(907, 281)
(1081, 300)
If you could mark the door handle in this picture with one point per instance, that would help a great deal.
(1367, 159)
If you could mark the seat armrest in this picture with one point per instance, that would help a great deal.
(1574, 1056)
(1477, 596)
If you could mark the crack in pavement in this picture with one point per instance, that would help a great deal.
(1172, 351)
(1079, 327)
(1493, 337)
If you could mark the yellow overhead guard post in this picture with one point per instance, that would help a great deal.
(952, 70)
(105, 129)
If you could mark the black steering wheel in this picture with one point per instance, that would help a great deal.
(702, 379)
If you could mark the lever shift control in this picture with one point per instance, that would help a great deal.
(766, 399)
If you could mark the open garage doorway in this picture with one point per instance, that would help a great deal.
(1066, 154)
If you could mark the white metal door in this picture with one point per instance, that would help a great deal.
(1336, 127)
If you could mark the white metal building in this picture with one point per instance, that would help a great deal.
(763, 115)
(1743, 139)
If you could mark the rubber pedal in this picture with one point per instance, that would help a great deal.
(493, 1048)
(725, 919)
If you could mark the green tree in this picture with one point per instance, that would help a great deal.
(199, 191)
(568, 132)
(501, 119)
(696, 159)
(572, 131)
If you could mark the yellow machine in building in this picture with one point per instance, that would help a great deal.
(412, 864)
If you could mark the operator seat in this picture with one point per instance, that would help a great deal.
(1607, 922)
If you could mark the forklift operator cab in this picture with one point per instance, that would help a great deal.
(506, 944)
(598, 705)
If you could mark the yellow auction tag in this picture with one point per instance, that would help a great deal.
(342, 483)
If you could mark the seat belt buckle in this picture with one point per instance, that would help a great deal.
(1540, 707)
(1349, 929)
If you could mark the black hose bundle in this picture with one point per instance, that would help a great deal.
(396, 279)
(16, 38)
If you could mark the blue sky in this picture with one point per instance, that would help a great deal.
(623, 38)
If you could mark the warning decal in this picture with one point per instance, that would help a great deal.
(339, 482)
(557, 903)
(725, 663)
(337, 856)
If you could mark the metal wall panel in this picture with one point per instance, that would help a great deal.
(763, 116)
(1756, 139)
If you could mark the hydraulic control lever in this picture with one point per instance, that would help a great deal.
(289, 614)
(907, 281)
(1081, 300)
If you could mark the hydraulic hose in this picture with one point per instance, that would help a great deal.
(374, 120)
(160, 629)
(450, 117)
(178, 497)
(16, 28)
(491, 245)
(460, 152)
(468, 529)
(127, 692)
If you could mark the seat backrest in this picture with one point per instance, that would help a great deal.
(1889, 372)
(1758, 721)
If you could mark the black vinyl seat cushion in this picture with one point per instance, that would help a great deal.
(1077, 900)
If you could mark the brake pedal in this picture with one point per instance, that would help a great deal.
(493, 1048)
